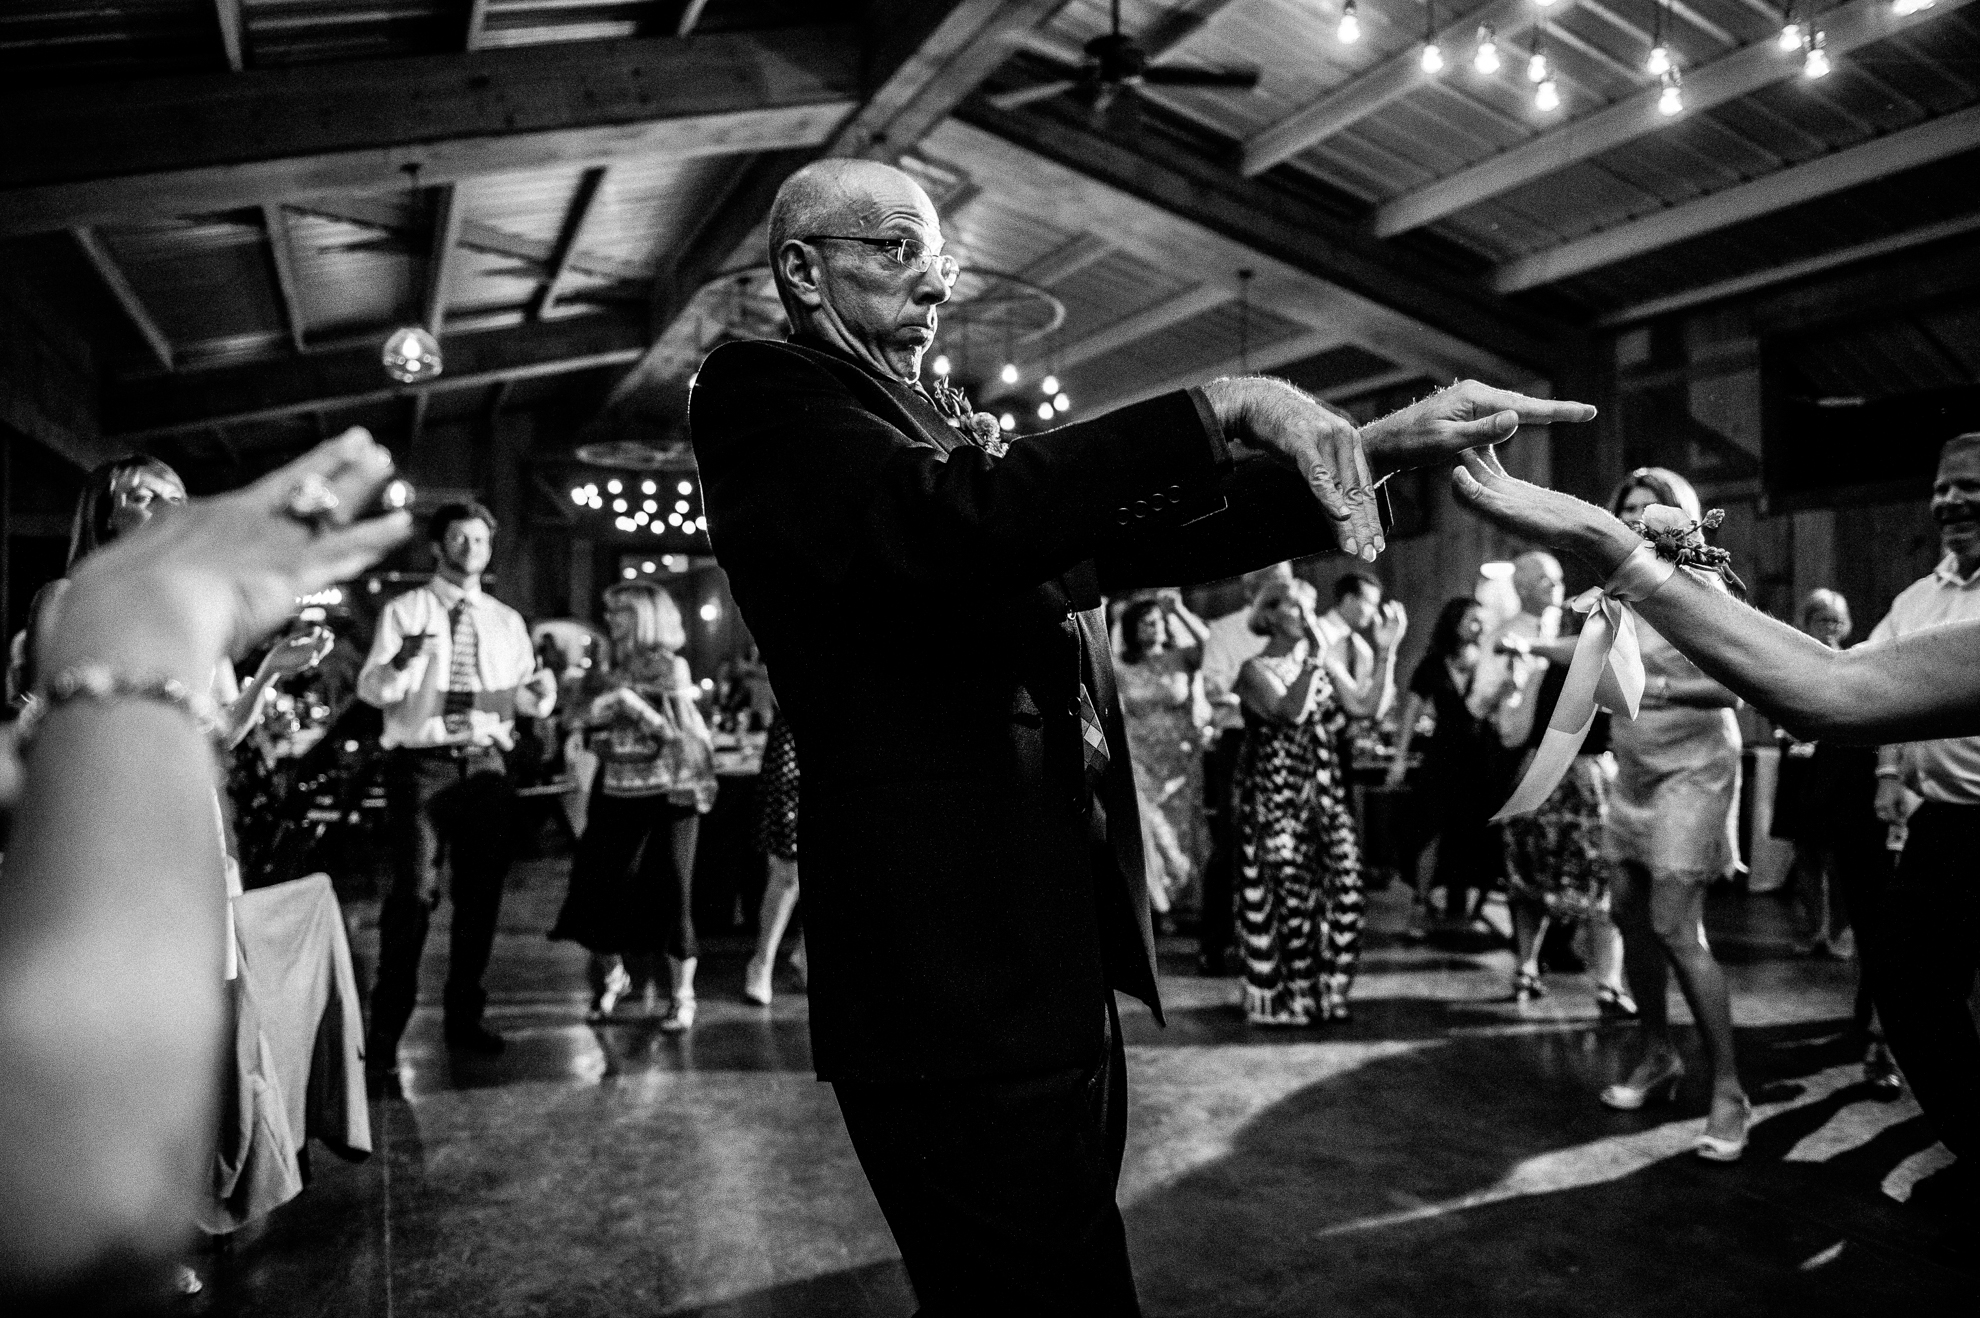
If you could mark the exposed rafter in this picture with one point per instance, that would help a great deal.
(281, 252)
(1388, 81)
(104, 262)
(151, 146)
(1067, 260)
(1169, 32)
(445, 234)
(1739, 74)
(1118, 392)
(477, 22)
(380, 213)
(349, 376)
(690, 15)
(1875, 159)
(228, 14)
(1186, 305)
(1781, 274)
(568, 235)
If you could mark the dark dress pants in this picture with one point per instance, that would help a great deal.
(1924, 949)
(1000, 1192)
(443, 807)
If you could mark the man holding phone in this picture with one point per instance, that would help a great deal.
(451, 667)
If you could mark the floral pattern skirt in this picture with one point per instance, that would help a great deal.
(1556, 856)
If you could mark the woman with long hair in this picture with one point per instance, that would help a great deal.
(629, 898)
(1673, 820)
(1299, 855)
(1161, 652)
(1460, 778)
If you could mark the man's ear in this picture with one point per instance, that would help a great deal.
(799, 273)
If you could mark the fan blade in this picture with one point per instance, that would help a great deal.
(1051, 47)
(1241, 79)
(1024, 96)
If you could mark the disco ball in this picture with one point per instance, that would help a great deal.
(411, 354)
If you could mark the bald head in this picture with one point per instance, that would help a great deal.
(1538, 581)
(853, 294)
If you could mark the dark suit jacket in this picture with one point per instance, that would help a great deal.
(927, 613)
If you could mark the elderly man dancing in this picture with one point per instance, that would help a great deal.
(930, 605)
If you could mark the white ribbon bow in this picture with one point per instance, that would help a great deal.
(1606, 673)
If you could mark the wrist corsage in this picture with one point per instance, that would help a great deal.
(1681, 540)
(980, 428)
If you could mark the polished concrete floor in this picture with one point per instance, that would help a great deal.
(1441, 1154)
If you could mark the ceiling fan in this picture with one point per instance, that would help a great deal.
(1109, 67)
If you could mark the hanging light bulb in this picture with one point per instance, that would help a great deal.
(1433, 59)
(412, 354)
(1817, 63)
(1670, 100)
(1790, 38)
(1536, 67)
(1044, 411)
(1486, 60)
(1007, 422)
(1049, 385)
(1547, 97)
(941, 364)
(1009, 375)
(1349, 31)
(1062, 404)
(1659, 62)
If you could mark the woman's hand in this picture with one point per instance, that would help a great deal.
(1390, 625)
(1540, 515)
(296, 654)
(206, 580)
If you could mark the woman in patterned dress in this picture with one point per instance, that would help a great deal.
(1299, 858)
(777, 837)
(1161, 655)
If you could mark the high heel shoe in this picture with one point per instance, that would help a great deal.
(1881, 1074)
(615, 986)
(756, 982)
(1717, 1148)
(680, 1016)
(1527, 987)
(1614, 1004)
(1661, 1087)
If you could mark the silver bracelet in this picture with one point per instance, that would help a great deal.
(1639, 575)
(102, 684)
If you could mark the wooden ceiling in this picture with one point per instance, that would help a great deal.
(237, 199)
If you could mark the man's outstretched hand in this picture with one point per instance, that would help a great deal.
(1434, 430)
(1342, 464)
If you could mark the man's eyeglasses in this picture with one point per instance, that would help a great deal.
(902, 252)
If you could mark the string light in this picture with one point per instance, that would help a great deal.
(1009, 375)
(1670, 100)
(1049, 385)
(1007, 422)
(1536, 67)
(1062, 404)
(1659, 62)
(1790, 38)
(685, 487)
(1817, 63)
(1433, 58)
(648, 487)
(1349, 31)
(1486, 60)
(1045, 411)
(1547, 97)
(941, 363)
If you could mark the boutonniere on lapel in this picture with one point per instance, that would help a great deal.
(979, 428)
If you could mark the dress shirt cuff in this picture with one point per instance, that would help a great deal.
(1213, 429)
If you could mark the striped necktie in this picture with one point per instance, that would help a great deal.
(464, 672)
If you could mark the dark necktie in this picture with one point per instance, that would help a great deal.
(464, 672)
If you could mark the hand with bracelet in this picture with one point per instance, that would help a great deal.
(111, 920)
(1926, 685)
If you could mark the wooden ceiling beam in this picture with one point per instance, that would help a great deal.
(288, 284)
(383, 214)
(1169, 312)
(1878, 158)
(104, 262)
(345, 377)
(1182, 210)
(162, 146)
(1067, 260)
(1117, 392)
(445, 236)
(575, 215)
(1167, 34)
(477, 23)
(1781, 274)
(690, 16)
(1389, 81)
(1739, 74)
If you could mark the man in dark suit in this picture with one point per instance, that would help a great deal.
(930, 616)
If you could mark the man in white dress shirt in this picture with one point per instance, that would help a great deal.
(1920, 944)
(451, 667)
(1357, 599)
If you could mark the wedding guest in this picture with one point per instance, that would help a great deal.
(630, 901)
(1299, 876)
(777, 836)
(451, 667)
(1161, 652)
(1825, 803)
(112, 1012)
(1227, 643)
(928, 593)
(1357, 604)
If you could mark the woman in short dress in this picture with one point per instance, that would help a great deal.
(1673, 816)
(629, 899)
(777, 835)
(1161, 654)
(1299, 857)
